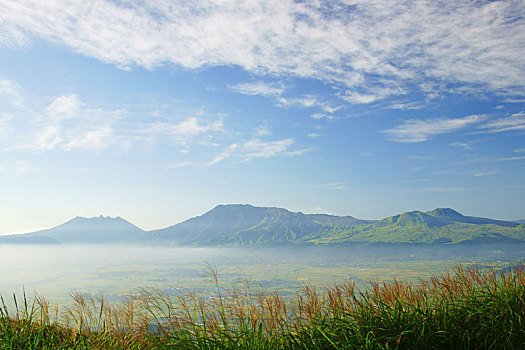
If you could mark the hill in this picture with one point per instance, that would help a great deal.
(247, 225)
(442, 225)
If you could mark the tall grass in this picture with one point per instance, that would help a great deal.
(464, 308)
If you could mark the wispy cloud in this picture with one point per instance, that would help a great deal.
(464, 145)
(66, 124)
(514, 122)
(276, 90)
(405, 106)
(22, 167)
(445, 189)
(372, 94)
(485, 173)
(258, 88)
(334, 185)
(261, 131)
(362, 44)
(321, 116)
(5, 127)
(298, 152)
(307, 102)
(10, 93)
(514, 100)
(415, 130)
(183, 129)
(257, 148)
(509, 159)
(70, 124)
(176, 165)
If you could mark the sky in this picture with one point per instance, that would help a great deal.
(159, 110)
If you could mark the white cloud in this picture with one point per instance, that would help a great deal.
(186, 128)
(22, 167)
(514, 100)
(321, 116)
(464, 145)
(298, 152)
(513, 122)
(509, 159)
(314, 134)
(355, 43)
(5, 128)
(67, 124)
(372, 94)
(334, 185)
(183, 131)
(445, 189)
(65, 107)
(227, 153)
(10, 95)
(405, 106)
(262, 131)
(176, 165)
(257, 148)
(415, 130)
(49, 138)
(485, 173)
(93, 140)
(306, 102)
(258, 88)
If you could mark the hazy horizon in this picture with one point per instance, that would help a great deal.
(158, 111)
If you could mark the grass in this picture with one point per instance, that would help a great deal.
(464, 308)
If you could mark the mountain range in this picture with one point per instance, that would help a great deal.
(246, 225)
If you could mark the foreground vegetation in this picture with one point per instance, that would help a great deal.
(464, 308)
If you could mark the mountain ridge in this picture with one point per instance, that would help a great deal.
(248, 225)
(98, 229)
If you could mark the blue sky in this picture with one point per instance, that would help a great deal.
(159, 110)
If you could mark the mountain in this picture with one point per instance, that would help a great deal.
(247, 225)
(102, 229)
(441, 225)
(242, 224)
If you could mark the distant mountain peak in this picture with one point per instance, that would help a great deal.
(100, 218)
(445, 213)
(97, 229)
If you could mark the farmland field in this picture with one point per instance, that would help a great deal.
(118, 271)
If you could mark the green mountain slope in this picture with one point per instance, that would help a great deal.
(442, 225)
(248, 225)
(240, 225)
